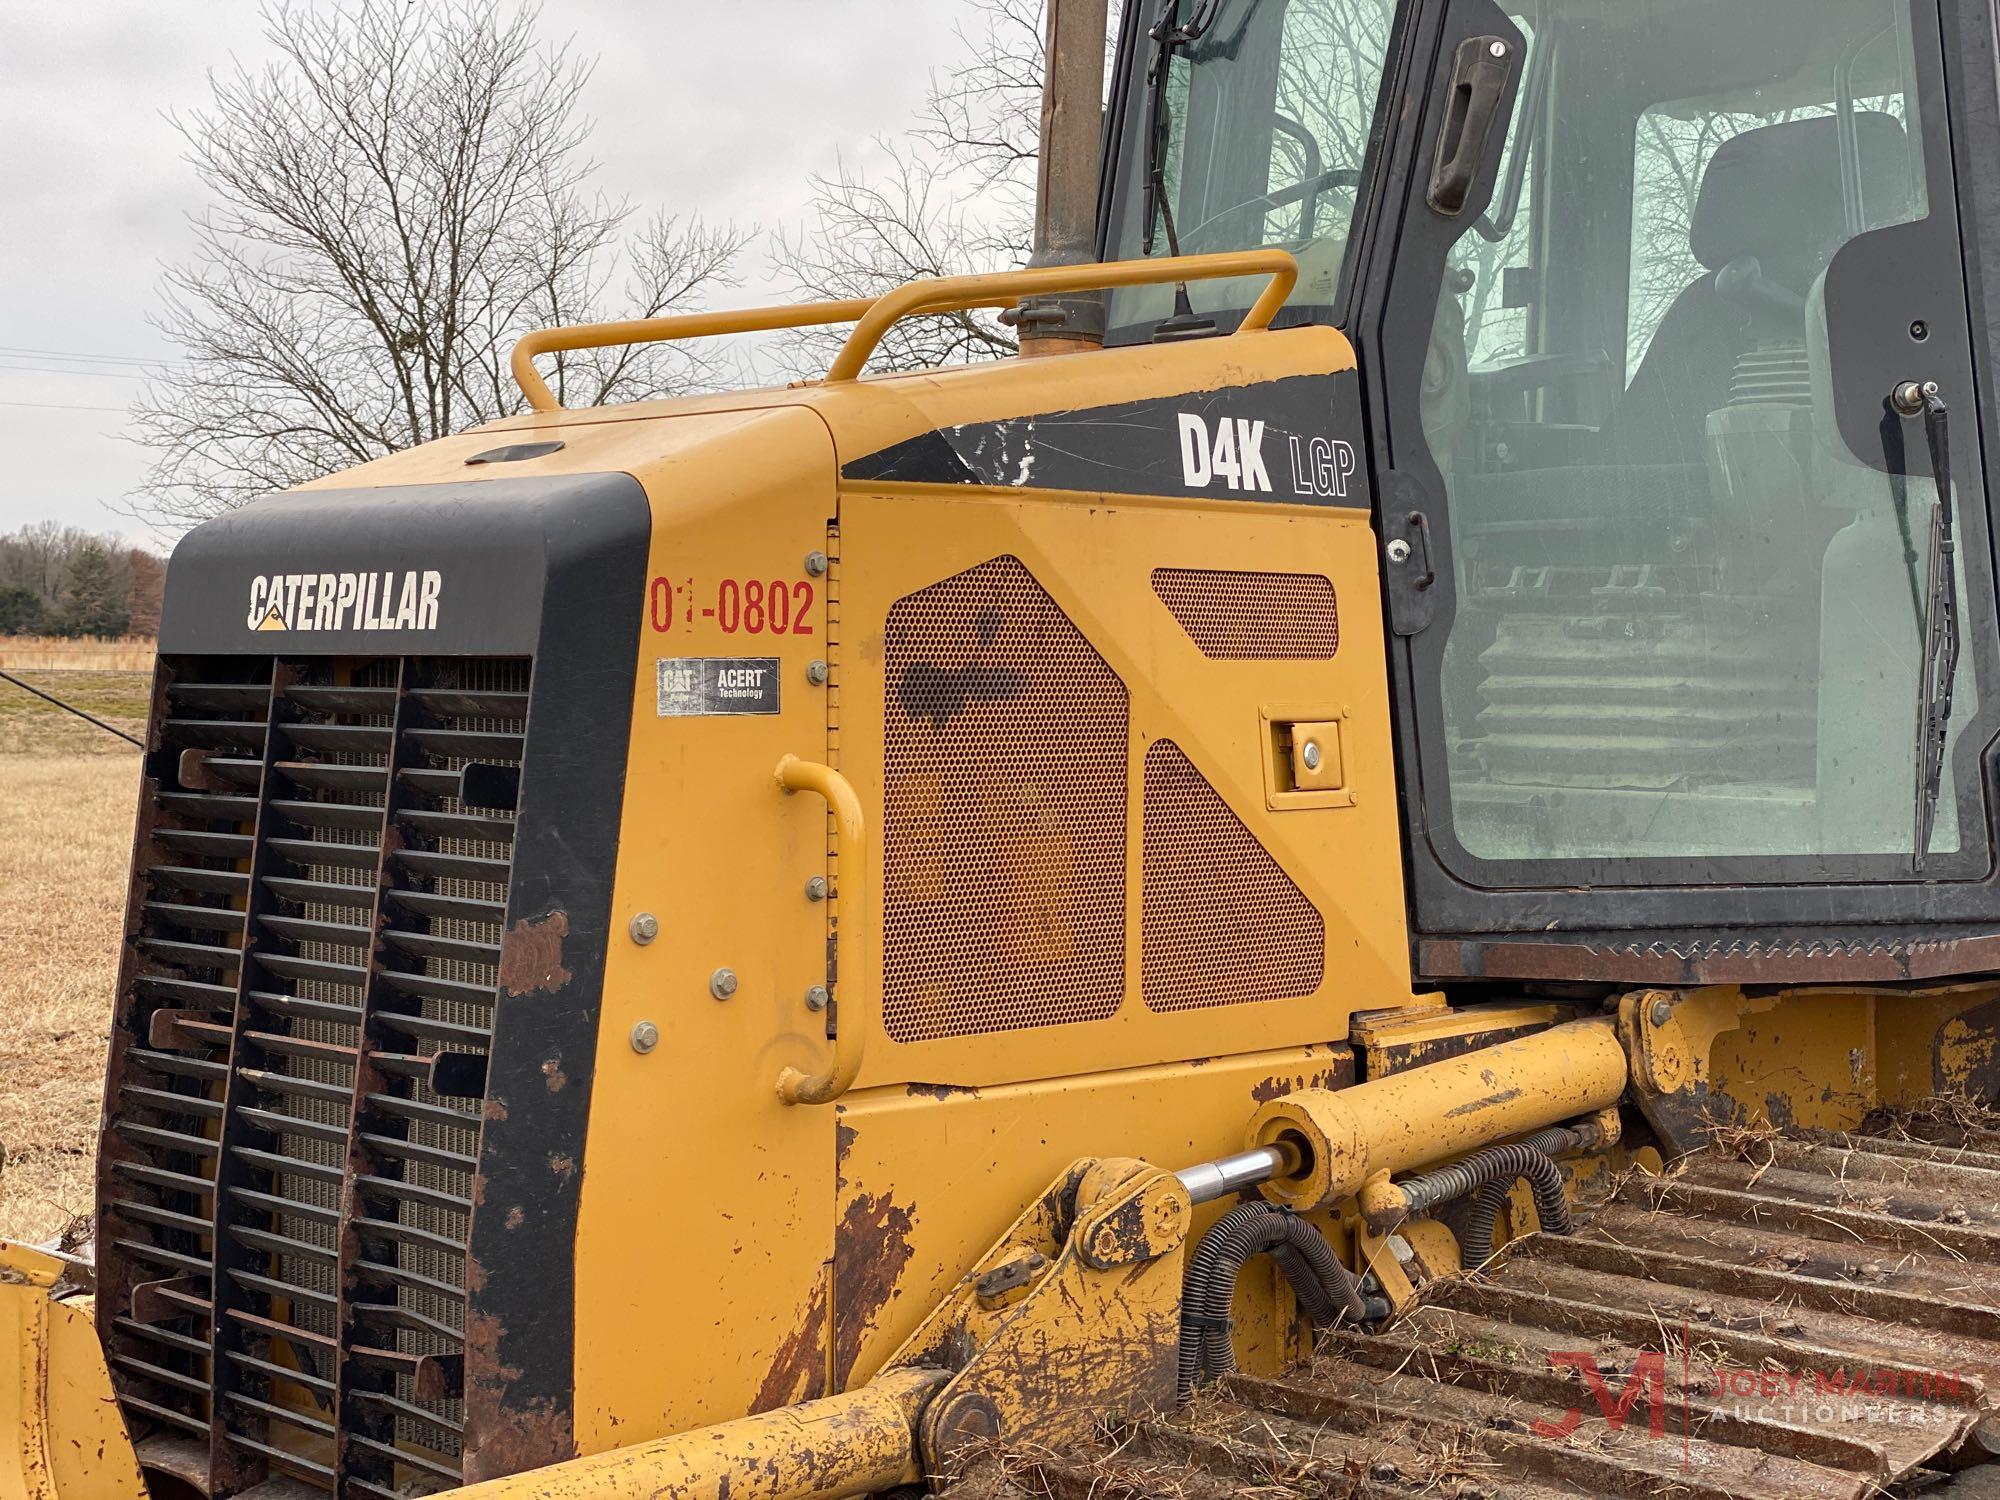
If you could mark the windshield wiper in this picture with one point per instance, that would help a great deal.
(1940, 662)
(1168, 36)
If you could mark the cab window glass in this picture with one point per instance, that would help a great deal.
(1263, 123)
(1687, 616)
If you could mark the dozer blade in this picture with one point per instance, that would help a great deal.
(1804, 1319)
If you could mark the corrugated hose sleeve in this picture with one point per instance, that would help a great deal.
(1326, 1290)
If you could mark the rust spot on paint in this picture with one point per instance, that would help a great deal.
(553, 1075)
(516, 1218)
(562, 1164)
(871, 1245)
(531, 956)
(798, 1369)
(506, 1432)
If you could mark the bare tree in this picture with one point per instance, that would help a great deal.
(62, 580)
(868, 235)
(38, 556)
(956, 195)
(397, 198)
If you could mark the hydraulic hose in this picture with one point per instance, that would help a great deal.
(1475, 1245)
(1488, 1176)
(1326, 1290)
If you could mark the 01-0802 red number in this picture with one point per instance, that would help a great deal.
(742, 606)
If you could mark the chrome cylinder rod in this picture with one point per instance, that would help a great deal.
(1206, 1181)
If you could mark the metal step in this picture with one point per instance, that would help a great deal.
(1803, 1319)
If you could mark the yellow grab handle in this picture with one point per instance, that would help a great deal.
(1008, 288)
(850, 888)
(873, 317)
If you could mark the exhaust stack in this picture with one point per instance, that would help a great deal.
(1066, 180)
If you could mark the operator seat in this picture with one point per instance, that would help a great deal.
(1771, 196)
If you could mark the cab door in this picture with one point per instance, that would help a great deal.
(1675, 598)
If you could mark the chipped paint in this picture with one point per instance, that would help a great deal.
(504, 1434)
(844, 1137)
(1490, 1101)
(1966, 1054)
(871, 1246)
(798, 1369)
(939, 1090)
(1337, 1075)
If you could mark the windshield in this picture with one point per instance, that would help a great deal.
(1251, 133)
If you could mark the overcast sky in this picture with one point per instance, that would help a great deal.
(724, 107)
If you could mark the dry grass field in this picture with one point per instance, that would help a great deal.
(66, 802)
(43, 653)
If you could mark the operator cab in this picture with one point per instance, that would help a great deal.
(1646, 295)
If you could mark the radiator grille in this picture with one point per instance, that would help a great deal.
(1221, 923)
(1252, 616)
(1004, 812)
(299, 1064)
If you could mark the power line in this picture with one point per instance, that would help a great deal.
(95, 359)
(64, 406)
(69, 708)
(11, 369)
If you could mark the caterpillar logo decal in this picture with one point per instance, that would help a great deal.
(387, 600)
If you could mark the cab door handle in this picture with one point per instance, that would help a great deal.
(1481, 75)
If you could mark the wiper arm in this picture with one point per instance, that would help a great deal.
(1168, 36)
(1940, 661)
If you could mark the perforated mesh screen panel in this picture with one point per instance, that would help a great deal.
(1003, 854)
(1253, 616)
(1221, 923)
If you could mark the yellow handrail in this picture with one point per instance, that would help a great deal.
(873, 317)
(859, 1006)
(665, 330)
(1009, 288)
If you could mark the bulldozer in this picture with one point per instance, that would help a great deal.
(1371, 872)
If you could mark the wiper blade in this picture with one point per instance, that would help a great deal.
(1169, 35)
(1940, 663)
